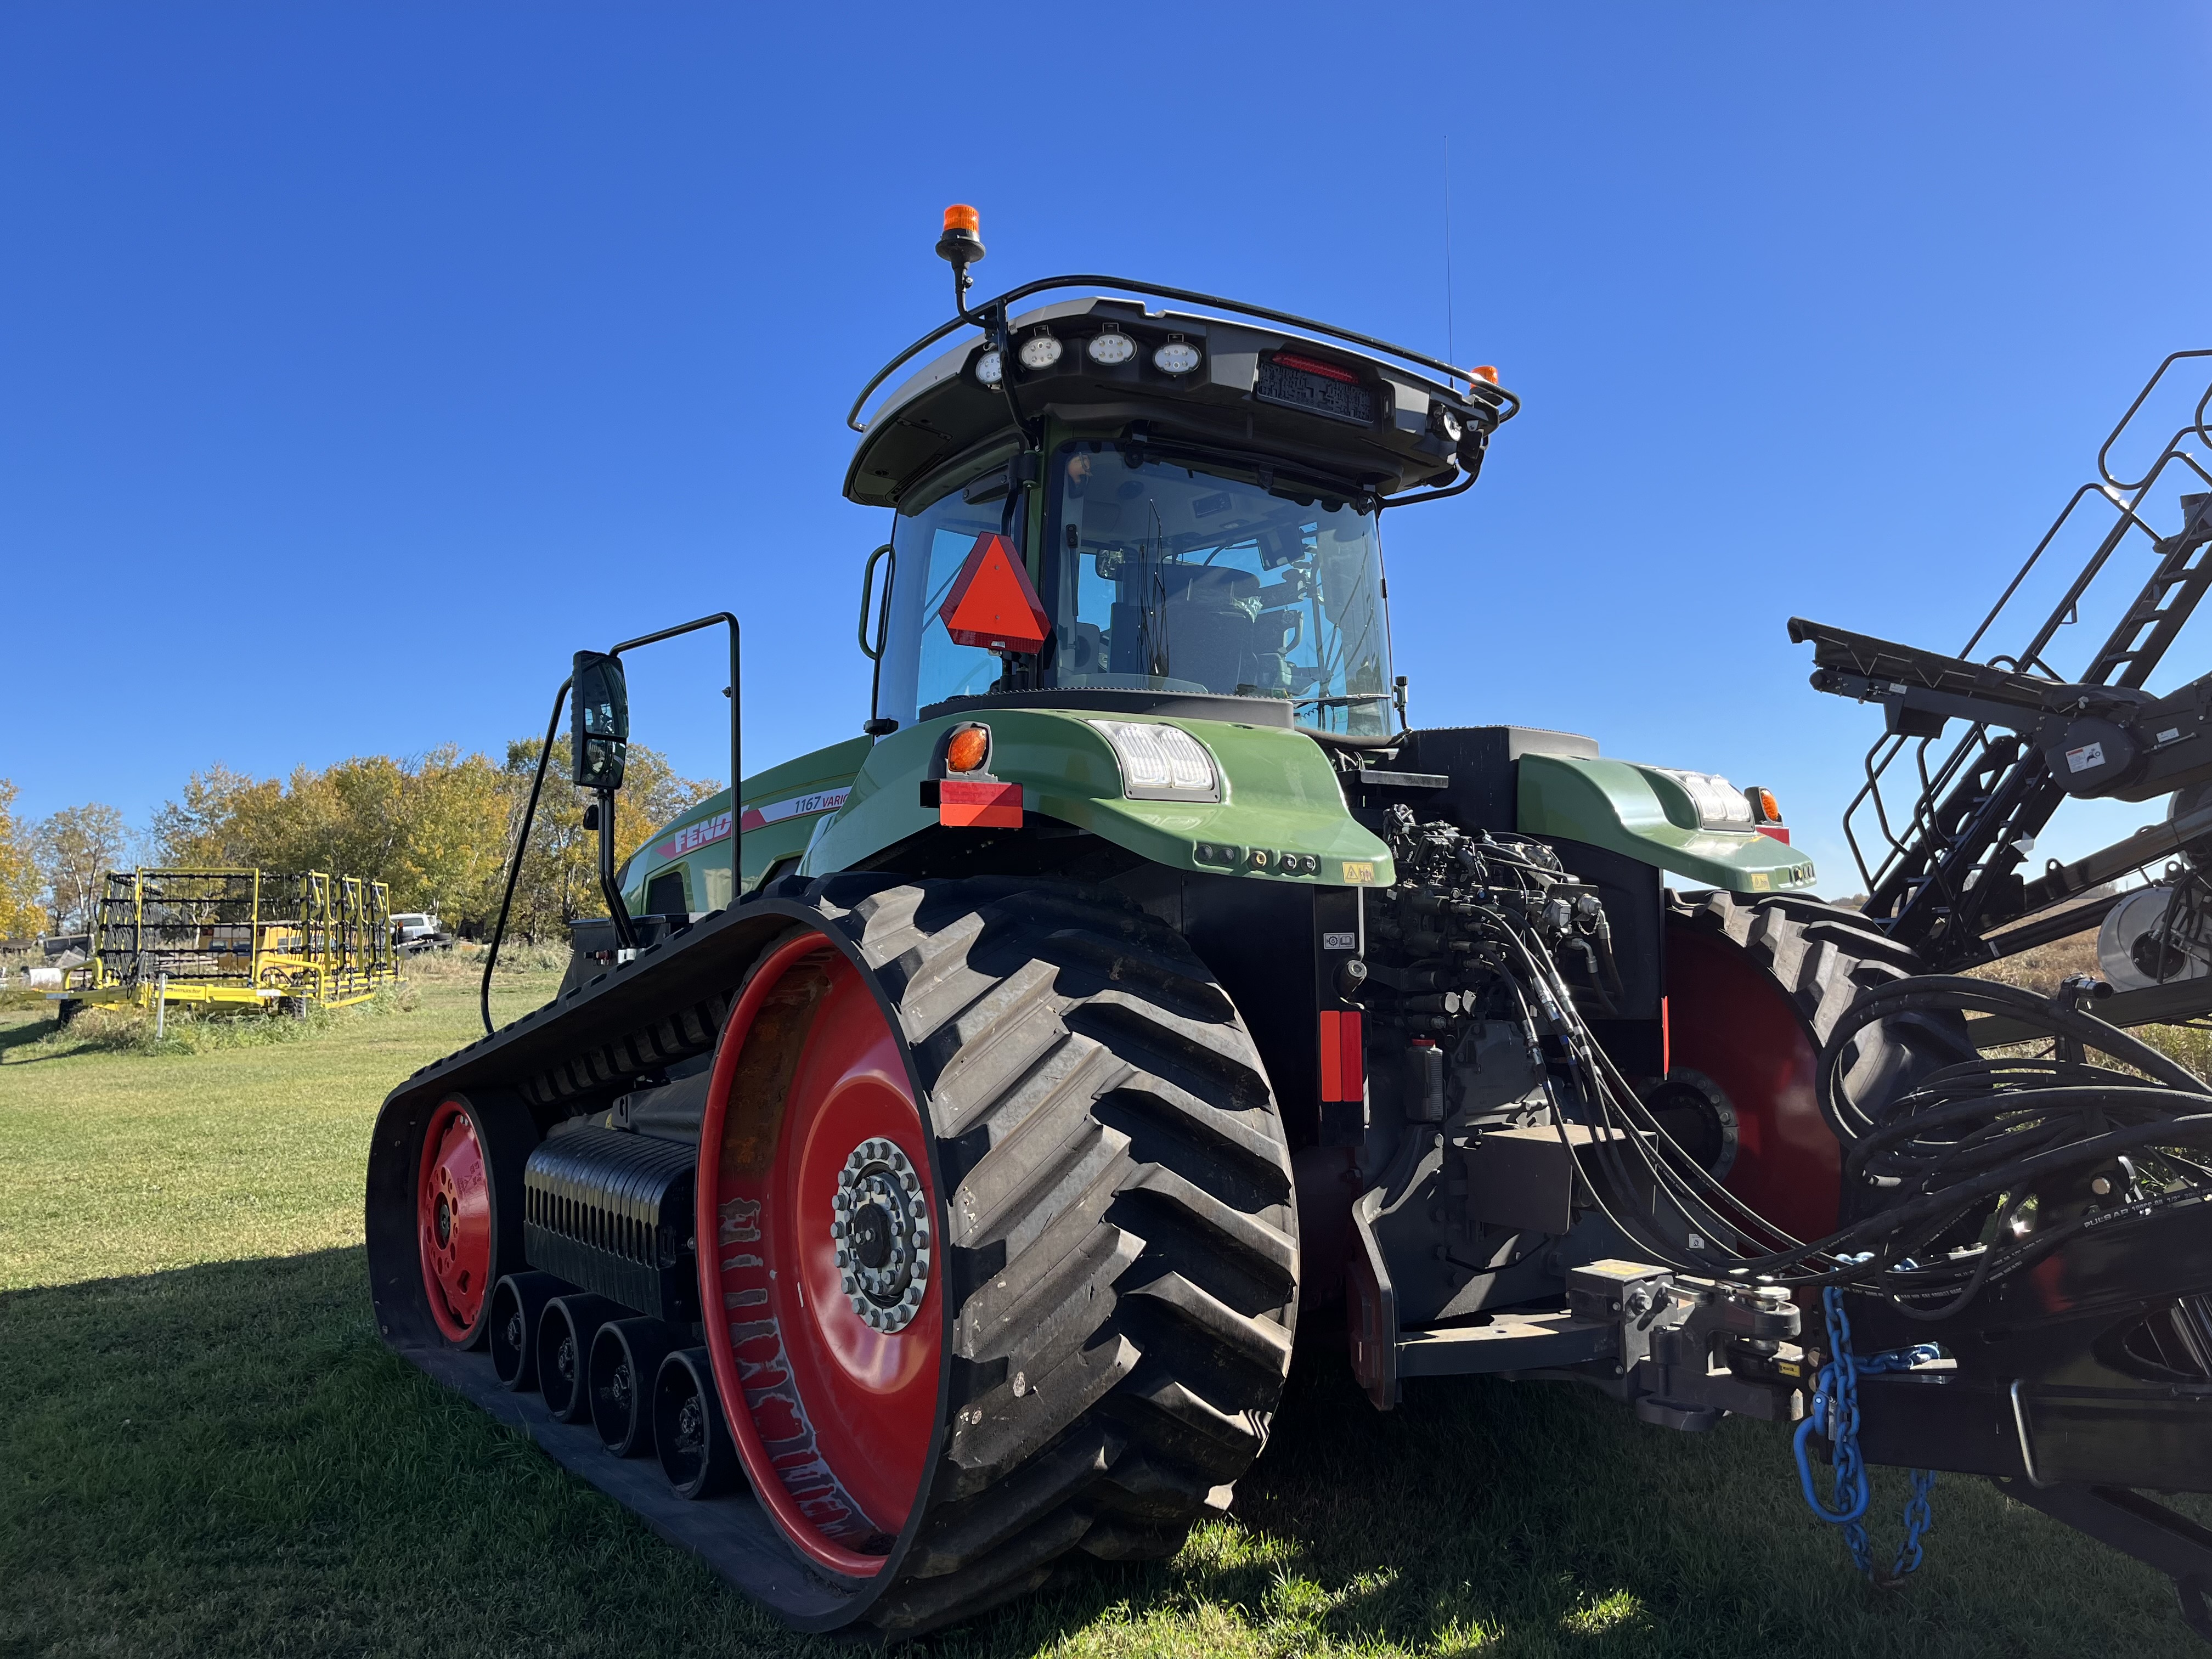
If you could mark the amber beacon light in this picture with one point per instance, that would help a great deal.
(962, 244)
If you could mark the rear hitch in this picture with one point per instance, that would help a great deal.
(1690, 1350)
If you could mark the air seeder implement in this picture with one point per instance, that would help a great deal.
(925, 1171)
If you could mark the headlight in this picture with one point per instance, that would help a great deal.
(1720, 805)
(990, 367)
(1160, 762)
(1040, 350)
(1112, 347)
(1443, 422)
(1177, 356)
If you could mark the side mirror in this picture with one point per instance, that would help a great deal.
(598, 729)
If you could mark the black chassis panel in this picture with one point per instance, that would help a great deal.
(1263, 941)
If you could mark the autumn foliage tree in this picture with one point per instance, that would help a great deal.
(436, 829)
(22, 915)
(561, 875)
(77, 848)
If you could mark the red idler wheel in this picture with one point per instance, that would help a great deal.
(444, 1211)
(818, 1220)
(1728, 1019)
(453, 1222)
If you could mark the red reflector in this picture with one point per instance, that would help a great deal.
(992, 603)
(1780, 832)
(1343, 1064)
(964, 804)
(1312, 366)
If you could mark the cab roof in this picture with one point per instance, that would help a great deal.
(1268, 394)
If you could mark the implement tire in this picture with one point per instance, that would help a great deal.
(995, 1195)
(1755, 988)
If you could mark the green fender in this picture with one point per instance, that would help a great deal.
(1639, 811)
(1279, 795)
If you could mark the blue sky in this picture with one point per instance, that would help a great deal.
(359, 363)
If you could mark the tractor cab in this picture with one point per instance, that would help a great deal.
(1171, 505)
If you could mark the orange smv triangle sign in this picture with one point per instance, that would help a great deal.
(992, 604)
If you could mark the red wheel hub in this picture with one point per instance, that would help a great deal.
(453, 1219)
(814, 1182)
(1728, 1018)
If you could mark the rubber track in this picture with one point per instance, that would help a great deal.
(1122, 1231)
(1823, 957)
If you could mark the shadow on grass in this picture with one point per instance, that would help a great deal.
(225, 1459)
(23, 1034)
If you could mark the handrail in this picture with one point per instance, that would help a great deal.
(1507, 405)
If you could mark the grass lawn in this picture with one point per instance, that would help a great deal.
(205, 1450)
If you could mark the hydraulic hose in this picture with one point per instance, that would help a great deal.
(1971, 1151)
(521, 845)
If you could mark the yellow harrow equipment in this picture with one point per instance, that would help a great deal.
(237, 938)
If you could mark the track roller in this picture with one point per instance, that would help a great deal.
(565, 1333)
(626, 1358)
(516, 1303)
(688, 1428)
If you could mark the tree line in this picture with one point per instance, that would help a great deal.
(436, 828)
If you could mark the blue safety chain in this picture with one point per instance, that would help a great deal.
(1835, 1412)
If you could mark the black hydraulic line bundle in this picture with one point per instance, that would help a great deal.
(1982, 1167)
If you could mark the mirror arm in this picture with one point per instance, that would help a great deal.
(625, 935)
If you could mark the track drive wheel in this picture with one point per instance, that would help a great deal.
(1754, 990)
(1004, 1234)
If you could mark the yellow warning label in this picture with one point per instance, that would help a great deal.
(1359, 873)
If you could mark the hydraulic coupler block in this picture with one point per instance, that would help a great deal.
(1692, 1349)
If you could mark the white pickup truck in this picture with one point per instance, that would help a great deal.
(417, 930)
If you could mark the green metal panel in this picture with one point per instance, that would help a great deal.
(1279, 795)
(790, 794)
(1621, 808)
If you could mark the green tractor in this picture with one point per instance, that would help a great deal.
(931, 1159)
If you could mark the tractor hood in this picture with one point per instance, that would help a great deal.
(1327, 411)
